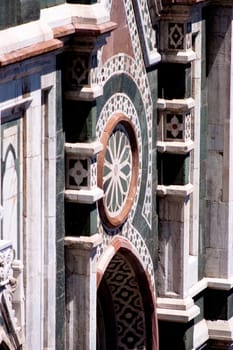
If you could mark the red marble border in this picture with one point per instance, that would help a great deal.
(30, 51)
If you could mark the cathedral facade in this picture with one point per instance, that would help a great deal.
(116, 183)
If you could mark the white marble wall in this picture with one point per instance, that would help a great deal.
(219, 243)
(29, 203)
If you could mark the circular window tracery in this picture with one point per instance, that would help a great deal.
(118, 170)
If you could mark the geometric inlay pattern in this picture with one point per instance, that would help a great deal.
(77, 172)
(176, 36)
(188, 126)
(129, 232)
(177, 126)
(174, 126)
(127, 303)
(77, 70)
(145, 23)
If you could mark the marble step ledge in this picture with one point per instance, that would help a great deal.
(177, 310)
(176, 105)
(220, 330)
(175, 147)
(83, 242)
(182, 57)
(84, 93)
(84, 196)
(174, 190)
(211, 283)
(92, 14)
(83, 149)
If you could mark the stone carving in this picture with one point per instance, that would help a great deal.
(8, 285)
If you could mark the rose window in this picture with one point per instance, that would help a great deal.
(118, 170)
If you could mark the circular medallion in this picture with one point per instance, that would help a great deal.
(117, 170)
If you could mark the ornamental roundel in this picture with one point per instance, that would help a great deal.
(117, 170)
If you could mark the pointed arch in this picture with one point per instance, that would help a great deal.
(125, 286)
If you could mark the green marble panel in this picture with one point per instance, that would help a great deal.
(49, 3)
(81, 219)
(80, 121)
(60, 224)
(218, 304)
(8, 13)
(29, 10)
(180, 335)
(199, 301)
(173, 169)
(60, 310)
(174, 81)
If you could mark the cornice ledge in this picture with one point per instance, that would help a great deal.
(83, 242)
(177, 310)
(30, 51)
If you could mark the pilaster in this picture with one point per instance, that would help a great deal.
(219, 243)
(81, 189)
(219, 177)
(81, 92)
(175, 146)
(81, 291)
